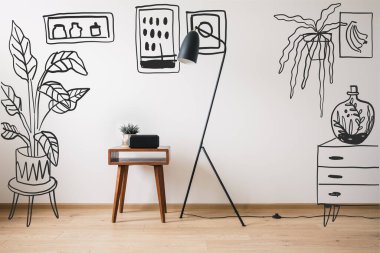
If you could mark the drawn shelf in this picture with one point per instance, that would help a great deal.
(68, 28)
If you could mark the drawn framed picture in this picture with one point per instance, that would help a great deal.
(157, 38)
(356, 38)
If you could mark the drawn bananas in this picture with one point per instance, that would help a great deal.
(355, 39)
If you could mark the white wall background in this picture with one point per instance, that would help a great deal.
(263, 144)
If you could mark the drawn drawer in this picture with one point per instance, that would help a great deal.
(348, 176)
(348, 194)
(352, 156)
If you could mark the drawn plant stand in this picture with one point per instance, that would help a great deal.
(311, 42)
(40, 152)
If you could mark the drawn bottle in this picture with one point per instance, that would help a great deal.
(75, 30)
(353, 119)
(95, 30)
(59, 32)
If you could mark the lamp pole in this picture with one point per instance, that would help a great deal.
(201, 147)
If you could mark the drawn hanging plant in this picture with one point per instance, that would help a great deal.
(39, 142)
(310, 41)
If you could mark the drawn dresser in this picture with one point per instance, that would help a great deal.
(347, 175)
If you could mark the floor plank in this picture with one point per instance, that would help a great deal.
(91, 230)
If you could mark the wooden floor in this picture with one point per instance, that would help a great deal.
(90, 230)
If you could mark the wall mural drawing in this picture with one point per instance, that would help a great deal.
(213, 22)
(78, 27)
(157, 38)
(348, 168)
(40, 150)
(310, 42)
(356, 39)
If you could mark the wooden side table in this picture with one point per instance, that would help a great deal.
(122, 174)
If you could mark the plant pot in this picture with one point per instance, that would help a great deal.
(352, 120)
(317, 44)
(125, 140)
(32, 170)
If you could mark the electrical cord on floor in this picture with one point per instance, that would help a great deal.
(278, 216)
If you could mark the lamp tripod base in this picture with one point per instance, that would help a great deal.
(220, 181)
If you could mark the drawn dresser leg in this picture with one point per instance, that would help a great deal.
(14, 204)
(336, 209)
(326, 219)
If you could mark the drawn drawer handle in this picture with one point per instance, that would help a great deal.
(335, 194)
(335, 176)
(335, 157)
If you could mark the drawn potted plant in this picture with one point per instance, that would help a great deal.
(127, 131)
(41, 150)
(310, 41)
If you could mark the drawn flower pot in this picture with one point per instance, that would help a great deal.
(317, 44)
(32, 170)
(352, 120)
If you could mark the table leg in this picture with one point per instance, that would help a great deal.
(159, 185)
(124, 186)
(119, 181)
(53, 203)
(163, 189)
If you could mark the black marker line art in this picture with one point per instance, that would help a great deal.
(310, 42)
(40, 150)
(213, 22)
(356, 39)
(347, 171)
(79, 27)
(157, 35)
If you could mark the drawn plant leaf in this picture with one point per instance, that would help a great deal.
(350, 127)
(24, 63)
(297, 18)
(77, 94)
(55, 91)
(332, 26)
(293, 40)
(297, 59)
(321, 77)
(330, 60)
(49, 144)
(13, 103)
(344, 123)
(61, 108)
(10, 131)
(325, 13)
(308, 61)
(64, 61)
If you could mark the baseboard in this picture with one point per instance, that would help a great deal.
(178, 206)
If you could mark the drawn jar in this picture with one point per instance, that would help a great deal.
(352, 120)
(95, 30)
(59, 32)
(75, 30)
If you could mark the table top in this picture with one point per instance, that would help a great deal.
(114, 159)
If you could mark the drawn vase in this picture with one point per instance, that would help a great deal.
(352, 120)
(59, 32)
(317, 45)
(125, 140)
(75, 30)
(31, 170)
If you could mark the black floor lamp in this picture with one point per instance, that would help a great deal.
(189, 54)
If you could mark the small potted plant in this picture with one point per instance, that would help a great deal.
(127, 131)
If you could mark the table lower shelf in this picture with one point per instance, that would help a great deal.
(138, 161)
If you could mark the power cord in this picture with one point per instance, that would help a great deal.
(278, 216)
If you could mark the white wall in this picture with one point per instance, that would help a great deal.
(263, 144)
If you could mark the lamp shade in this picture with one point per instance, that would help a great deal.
(188, 52)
